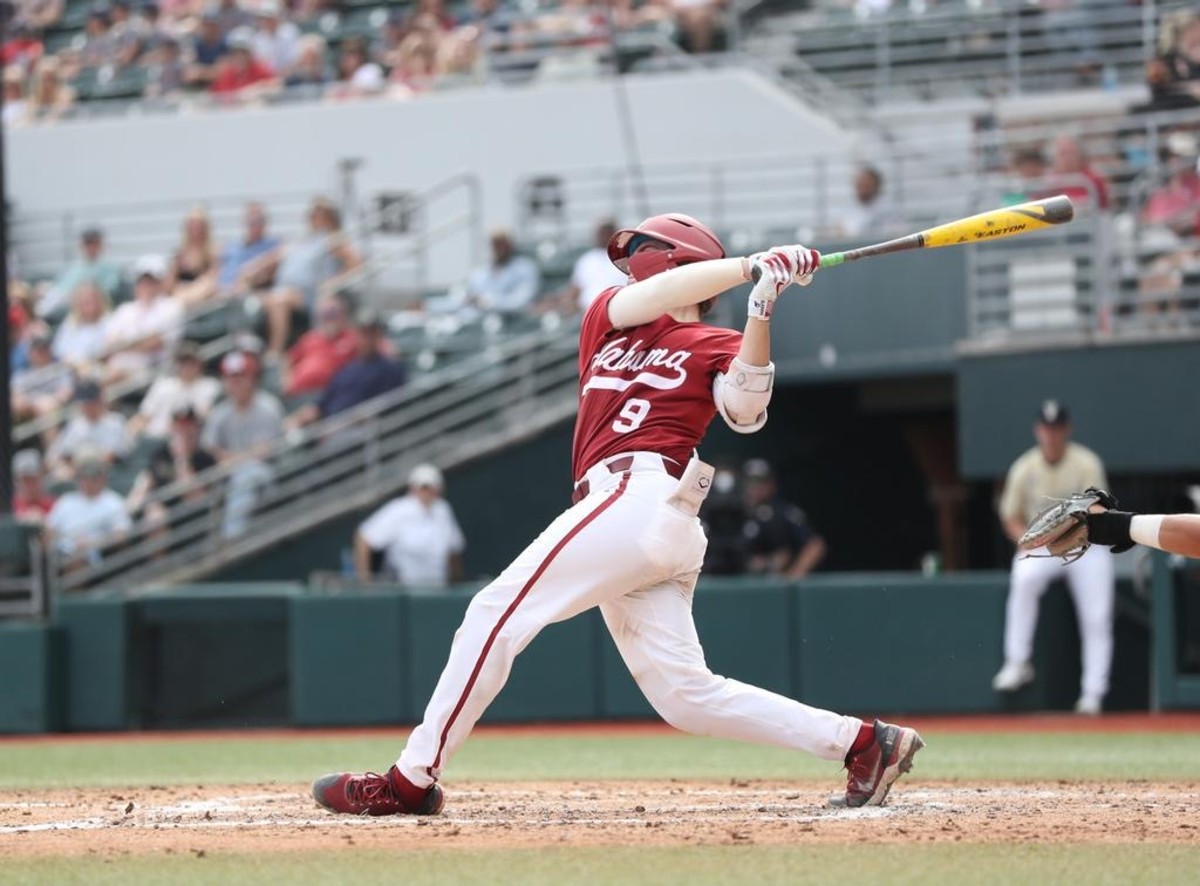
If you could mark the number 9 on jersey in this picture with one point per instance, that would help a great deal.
(633, 413)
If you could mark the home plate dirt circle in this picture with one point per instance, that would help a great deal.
(283, 818)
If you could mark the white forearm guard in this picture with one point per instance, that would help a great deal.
(742, 395)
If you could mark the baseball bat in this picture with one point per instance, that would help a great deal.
(994, 224)
(1008, 221)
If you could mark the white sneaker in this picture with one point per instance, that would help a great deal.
(1088, 705)
(1013, 676)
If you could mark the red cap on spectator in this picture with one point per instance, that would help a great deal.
(238, 363)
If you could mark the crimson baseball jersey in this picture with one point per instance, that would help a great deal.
(646, 388)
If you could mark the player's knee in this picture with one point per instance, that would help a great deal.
(688, 704)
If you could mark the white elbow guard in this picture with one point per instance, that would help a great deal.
(742, 395)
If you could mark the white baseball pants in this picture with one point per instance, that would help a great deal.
(1090, 579)
(624, 549)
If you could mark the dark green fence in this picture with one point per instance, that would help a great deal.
(256, 655)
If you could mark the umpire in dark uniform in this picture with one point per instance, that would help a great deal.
(779, 540)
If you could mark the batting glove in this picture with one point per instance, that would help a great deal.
(774, 270)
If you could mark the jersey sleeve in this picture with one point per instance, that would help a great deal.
(723, 346)
(595, 321)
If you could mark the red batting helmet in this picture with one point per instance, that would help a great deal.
(686, 239)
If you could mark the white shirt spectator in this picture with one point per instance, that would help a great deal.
(593, 273)
(80, 522)
(107, 435)
(170, 393)
(418, 540)
(368, 78)
(279, 49)
(136, 320)
(80, 342)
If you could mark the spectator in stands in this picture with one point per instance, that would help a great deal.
(93, 427)
(91, 267)
(593, 273)
(1029, 168)
(1176, 205)
(700, 24)
(143, 331)
(231, 16)
(80, 339)
(724, 518)
(16, 105)
(779, 539)
(193, 270)
(239, 433)
(322, 351)
(152, 32)
(371, 373)
(418, 533)
(358, 76)
(872, 211)
(246, 263)
(20, 331)
(305, 268)
(239, 73)
(22, 49)
(1174, 76)
(43, 387)
(166, 72)
(49, 96)
(311, 67)
(85, 520)
(124, 33)
(178, 459)
(37, 15)
(98, 47)
(31, 502)
(416, 66)
(189, 387)
(276, 40)
(1071, 163)
(509, 284)
(208, 48)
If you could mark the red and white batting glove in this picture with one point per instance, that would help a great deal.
(774, 270)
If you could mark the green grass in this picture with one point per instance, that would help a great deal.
(959, 864)
(128, 760)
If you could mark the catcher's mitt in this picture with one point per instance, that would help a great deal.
(1062, 528)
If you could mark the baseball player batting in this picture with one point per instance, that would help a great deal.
(651, 378)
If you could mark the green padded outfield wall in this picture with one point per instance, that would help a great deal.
(1138, 406)
(249, 656)
(31, 662)
(100, 675)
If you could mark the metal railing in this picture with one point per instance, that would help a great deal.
(513, 388)
(26, 596)
(1000, 49)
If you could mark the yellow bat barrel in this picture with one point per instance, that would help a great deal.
(996, 223)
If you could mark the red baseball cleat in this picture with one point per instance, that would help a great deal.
(372, 794)
(873, 769)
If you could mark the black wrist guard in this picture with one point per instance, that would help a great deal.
(1110, 528)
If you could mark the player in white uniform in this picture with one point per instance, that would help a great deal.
(1052, 470)
(652, 377)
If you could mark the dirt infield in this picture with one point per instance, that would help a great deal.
(282, 818)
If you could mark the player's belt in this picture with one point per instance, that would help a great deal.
(620, 465)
